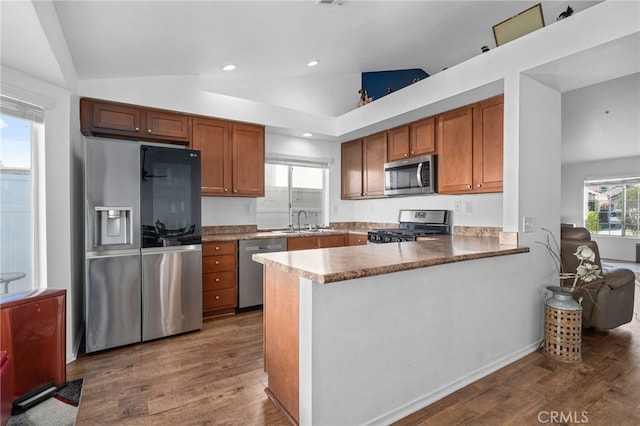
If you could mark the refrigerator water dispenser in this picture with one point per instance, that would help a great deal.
(114, 225)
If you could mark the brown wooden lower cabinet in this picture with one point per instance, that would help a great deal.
(322, 241)
(357, 239)
(219, 278)
(281, 330)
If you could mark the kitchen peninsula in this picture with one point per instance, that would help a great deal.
(369, 334)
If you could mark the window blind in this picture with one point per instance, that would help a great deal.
(21, 109)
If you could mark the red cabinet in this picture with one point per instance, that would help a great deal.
(33, 327)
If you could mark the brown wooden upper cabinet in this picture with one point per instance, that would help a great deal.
(470, 148)
(412, 140)
(363, 167)
(232, 157)
(117, 120)
(351, 164)
(488, 145)
(374, 150)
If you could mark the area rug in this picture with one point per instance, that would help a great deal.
(59, 410)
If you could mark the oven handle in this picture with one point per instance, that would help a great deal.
(419, 174)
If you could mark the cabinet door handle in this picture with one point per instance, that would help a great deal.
(217, 280)
(479, 185)
(406, 155)
(148, 130)
(217, 247)
(469, 186)
(235, 190)
(226, 190)
(413, 152)
(217, 297)
(137, 129)
(217, 262)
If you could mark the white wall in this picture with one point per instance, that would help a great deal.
(603, 119)
(420, 335)
(572, 207)
(62, 225)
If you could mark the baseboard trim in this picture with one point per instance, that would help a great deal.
(430, 398)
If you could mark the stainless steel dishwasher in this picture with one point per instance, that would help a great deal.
(250, 272)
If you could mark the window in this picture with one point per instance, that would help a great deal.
(613, 206)
(20, 128)
(293, 190)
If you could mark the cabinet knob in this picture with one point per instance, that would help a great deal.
(226, 190)
(479, 185)
(217, 280)
(148, 130)
(406, 155)
(217, 247)
(137, 129)
(217, 262)
(217, 297)
(235, 190)
(469, 186)
(413, 152)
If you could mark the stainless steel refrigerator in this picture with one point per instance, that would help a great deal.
(143, 270)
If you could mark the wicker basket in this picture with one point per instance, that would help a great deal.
(563, 334)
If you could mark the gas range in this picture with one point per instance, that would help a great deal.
(412, 225)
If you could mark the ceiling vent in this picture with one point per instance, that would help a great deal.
(334, 2)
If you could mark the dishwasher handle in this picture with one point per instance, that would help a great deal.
(272, 247)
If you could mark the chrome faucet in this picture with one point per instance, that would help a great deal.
(305, 216)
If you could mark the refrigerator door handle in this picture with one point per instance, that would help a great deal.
(171, 249)
(111, 253)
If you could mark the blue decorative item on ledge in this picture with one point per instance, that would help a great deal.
(380, 83)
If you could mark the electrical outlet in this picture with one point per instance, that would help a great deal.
(528, 224)
(468, 207)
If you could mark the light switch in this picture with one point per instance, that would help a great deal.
(528, 224)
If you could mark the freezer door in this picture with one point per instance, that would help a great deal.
(171, 291)
(112, 300)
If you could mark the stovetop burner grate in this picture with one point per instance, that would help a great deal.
(411, 230)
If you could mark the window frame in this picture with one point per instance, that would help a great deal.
(593, 223)
(19, 109)
(290, 162)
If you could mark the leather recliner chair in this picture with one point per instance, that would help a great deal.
(607, 302)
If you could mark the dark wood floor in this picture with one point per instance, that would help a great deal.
(215, 377)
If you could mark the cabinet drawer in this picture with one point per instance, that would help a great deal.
(217, 299)
(218, 247)
(218, 280)
(226, 262)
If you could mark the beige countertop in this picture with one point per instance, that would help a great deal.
(343, 263)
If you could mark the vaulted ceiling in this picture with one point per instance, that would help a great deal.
(271, 42)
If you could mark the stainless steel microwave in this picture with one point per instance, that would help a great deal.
(411, 176)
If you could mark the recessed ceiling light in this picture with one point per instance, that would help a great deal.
(313, 63)
(229, 67)
(307, 135)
